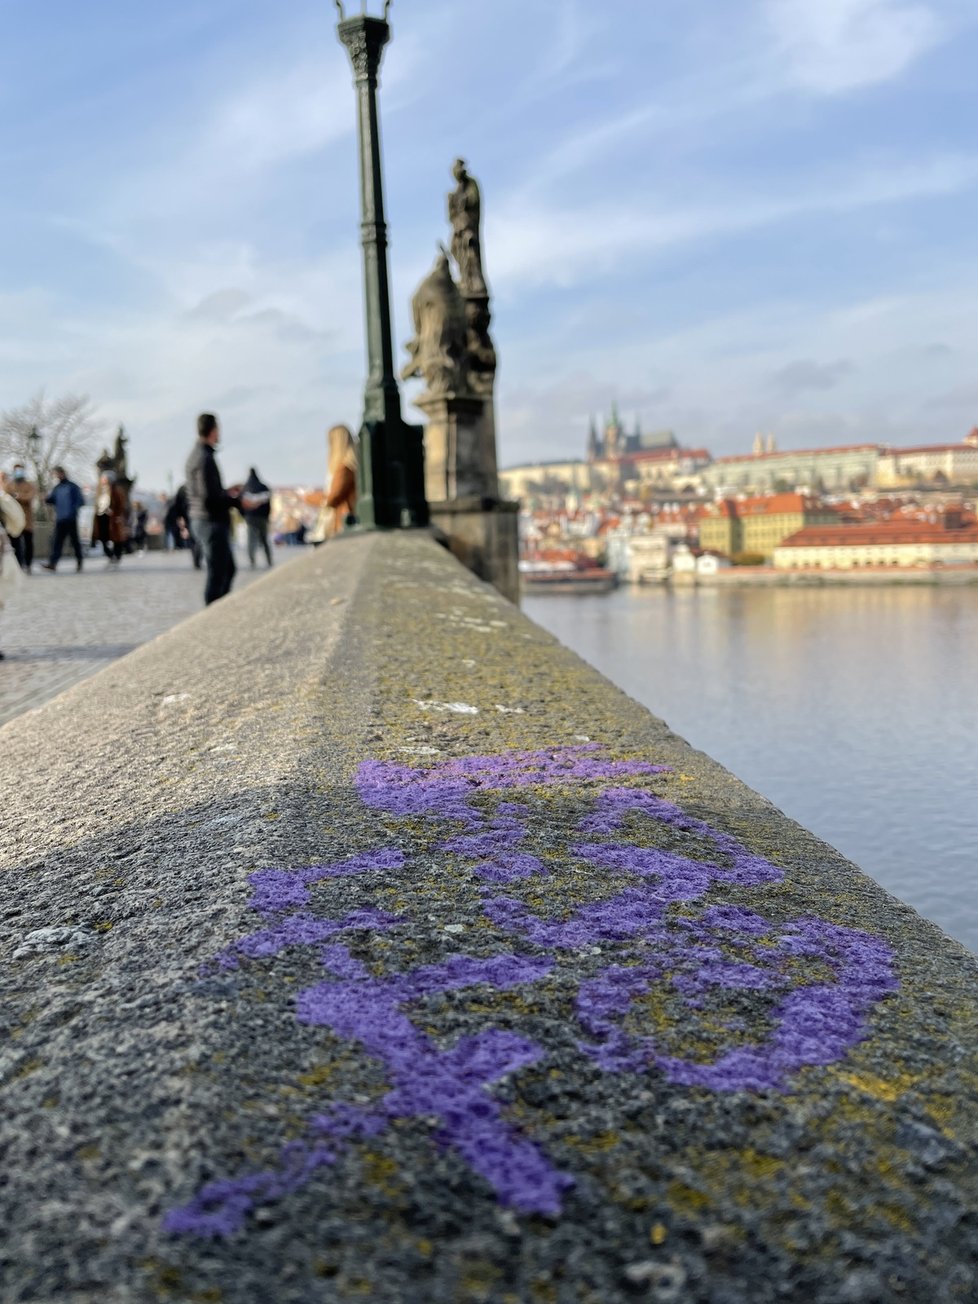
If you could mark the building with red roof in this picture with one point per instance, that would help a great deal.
(758, 525)
(951, 540)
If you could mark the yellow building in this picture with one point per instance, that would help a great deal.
(758, 525)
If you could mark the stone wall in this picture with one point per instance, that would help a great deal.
(361, 942)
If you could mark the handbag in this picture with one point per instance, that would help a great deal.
(11, 515)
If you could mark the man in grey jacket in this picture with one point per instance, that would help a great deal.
(210, 509)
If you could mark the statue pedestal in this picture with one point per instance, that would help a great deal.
(483, 533)
(459, 447)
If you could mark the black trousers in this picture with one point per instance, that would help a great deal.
(215, 541)
(65, 530)
(24, 549)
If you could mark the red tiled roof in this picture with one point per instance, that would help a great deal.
(770, 505)
(878, 532)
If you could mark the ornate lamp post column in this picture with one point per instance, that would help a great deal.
(391, 452)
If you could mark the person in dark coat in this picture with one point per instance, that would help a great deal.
(110, 526)
(210, 509)
(177, 525)
(256, 507)
(67, 500)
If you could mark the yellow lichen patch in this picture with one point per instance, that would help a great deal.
(105, 927)
(594, 1145)
(26, 1069)
(318, 1077)
(479, 1278)
(658, 1234)
(897, 1218)
(271, 815)
(381, 1172)
(878, 1088)
(686, 1199)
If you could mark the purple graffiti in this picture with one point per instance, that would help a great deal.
(811, 1025)
(813, 984)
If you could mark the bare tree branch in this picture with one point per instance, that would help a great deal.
(66, 430)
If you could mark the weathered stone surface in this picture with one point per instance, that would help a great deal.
(362, 1016)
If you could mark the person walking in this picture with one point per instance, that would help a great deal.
(67, 499)
(140, 518)
(24, 491)
(177, 524)
(256, 507)
(210, 509)
(109, 525)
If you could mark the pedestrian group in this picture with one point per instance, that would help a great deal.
(198, 517)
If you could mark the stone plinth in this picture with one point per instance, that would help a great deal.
(484, 535)
(460, 460)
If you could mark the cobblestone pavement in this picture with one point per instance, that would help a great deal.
(61, 628)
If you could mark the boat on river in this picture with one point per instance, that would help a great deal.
(574, 574)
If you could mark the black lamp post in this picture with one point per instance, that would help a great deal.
(35, 441)
(391, 451)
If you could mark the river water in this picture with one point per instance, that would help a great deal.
(854, 710)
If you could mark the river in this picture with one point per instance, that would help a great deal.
(854, 710)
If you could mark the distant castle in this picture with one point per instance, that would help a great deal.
(615, 442)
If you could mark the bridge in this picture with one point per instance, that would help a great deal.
(389, 952)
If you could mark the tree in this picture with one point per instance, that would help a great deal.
(49, 432)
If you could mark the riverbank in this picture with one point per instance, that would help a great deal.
(866, 576)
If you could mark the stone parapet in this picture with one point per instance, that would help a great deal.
(484, 535)
(361, 942)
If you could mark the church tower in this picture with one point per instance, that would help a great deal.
(593, 448)
(614, 435)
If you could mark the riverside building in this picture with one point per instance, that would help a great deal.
(758, 525)
(952, 541)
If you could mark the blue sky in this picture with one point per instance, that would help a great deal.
(729, 215)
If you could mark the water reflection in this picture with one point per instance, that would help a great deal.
(854, 710)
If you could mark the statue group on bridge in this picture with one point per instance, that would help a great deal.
(452, 350)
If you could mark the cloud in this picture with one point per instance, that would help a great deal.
(222, 305)
(834, 46)
(806, 374)
(533, 243)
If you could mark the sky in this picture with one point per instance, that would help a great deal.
(727, 216)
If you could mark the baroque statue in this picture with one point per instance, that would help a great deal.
(465, 215)
(116, 462)
(438, 352)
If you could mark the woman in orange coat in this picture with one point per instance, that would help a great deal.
(340, 501)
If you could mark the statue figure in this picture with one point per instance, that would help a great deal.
(465, 215)
(481, 351)
(115, 465)
(438, 350)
